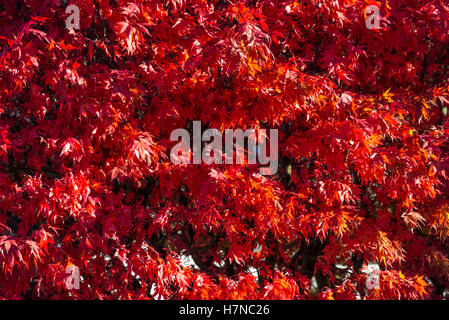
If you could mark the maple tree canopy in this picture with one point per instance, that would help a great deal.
(86, 179)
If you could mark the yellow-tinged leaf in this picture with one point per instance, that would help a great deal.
(387, 95)
(424, 111)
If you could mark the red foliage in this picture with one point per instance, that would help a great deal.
(86, 177)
